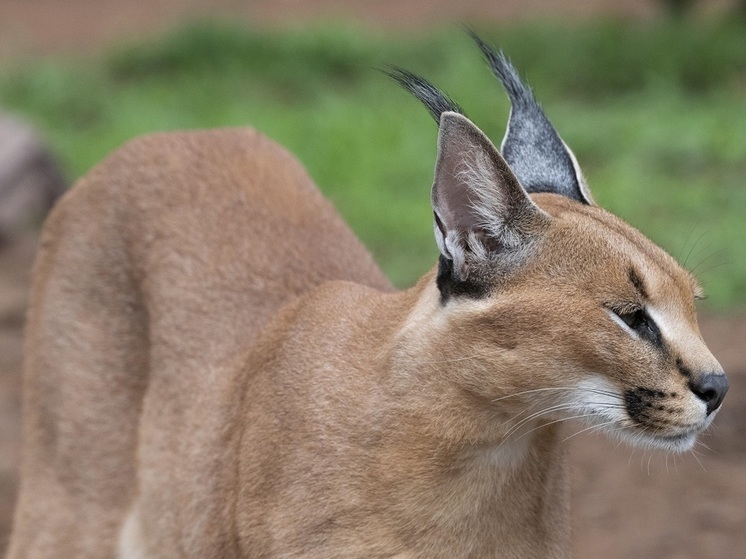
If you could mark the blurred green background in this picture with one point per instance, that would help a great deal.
(654, 110)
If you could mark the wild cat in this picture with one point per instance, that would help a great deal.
(215, 366)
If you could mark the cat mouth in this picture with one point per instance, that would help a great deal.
(648, 436)
(654, 436)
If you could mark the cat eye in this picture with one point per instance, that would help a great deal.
(633, 316)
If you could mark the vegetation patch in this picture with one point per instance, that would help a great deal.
(656, 114)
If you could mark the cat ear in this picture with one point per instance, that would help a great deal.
(532, 147)
(485, 222)
(482, 214)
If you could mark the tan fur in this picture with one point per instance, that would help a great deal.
(216, 368)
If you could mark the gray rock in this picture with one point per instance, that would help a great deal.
(30, 179)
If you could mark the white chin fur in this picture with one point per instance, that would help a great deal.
(636, 437)
(676, 443)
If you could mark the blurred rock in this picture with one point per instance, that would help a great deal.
(30, 179)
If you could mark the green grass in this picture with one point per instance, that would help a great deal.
(656, 114)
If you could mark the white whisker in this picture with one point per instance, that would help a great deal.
(583, 390)
(693, 453)
(513, 431)
(592, 428)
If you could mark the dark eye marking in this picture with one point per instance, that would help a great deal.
(635, 316)
(637, 282)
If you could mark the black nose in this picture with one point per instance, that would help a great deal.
(711, 389)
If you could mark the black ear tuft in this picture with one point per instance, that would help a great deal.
(532, 147)
(519, 94)
(435, 101)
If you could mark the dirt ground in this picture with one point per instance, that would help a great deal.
(43, 26)
(626, 503)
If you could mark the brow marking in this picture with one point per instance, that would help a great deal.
(636, 280)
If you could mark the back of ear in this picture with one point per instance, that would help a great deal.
(485, 222)
(532, 147)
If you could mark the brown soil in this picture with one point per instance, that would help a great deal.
(51, 25)
(626, 503)
(44, 26)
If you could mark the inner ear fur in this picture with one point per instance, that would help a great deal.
(483, 216)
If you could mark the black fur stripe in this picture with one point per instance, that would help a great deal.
(450, 287)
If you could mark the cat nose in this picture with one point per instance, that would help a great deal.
(711, 389)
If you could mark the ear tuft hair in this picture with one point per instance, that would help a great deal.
(518, 93)
(435, 101)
